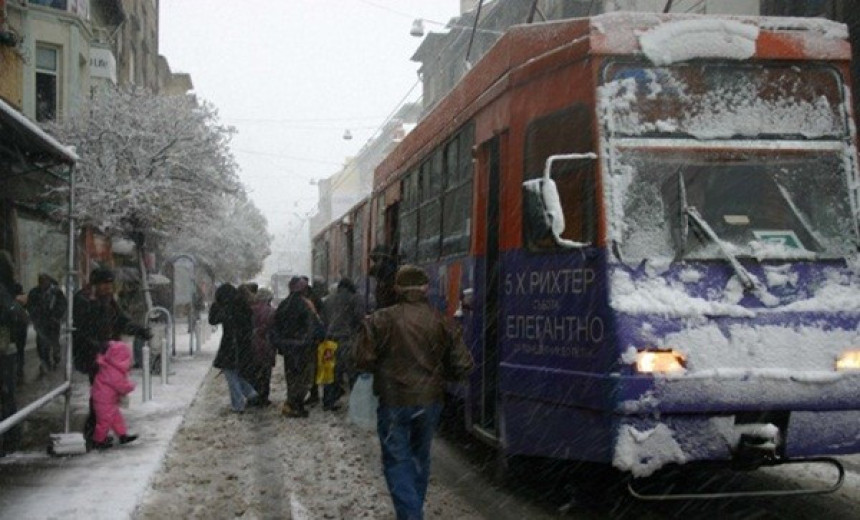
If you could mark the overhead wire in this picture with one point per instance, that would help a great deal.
(399, 13)
(291, 157)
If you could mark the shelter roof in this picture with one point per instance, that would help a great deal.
(22, 136)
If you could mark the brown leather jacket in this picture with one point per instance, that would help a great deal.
(412, 350)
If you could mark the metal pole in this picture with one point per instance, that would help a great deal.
(472, 36)
(147, 376)
(70, 302)
(165, 349)
(22, 414)
(192, 311)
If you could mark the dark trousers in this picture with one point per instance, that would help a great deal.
(137, 351)
(313, 387)
(48, 346)
(299, 374)
(90, 423)
(8, 380)
(20, 339)
(263, 382)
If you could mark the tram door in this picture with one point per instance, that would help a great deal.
(489, 387)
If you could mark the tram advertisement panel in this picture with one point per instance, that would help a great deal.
(553, 311)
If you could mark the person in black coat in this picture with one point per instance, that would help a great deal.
(292, 335)
(46, 304)
(235, 356)
(12, 314)
(98, 320)
(20, 328)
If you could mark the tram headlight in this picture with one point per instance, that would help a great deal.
(848, 360)
(660, 361)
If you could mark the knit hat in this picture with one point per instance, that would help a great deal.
(411, 276)
(101, 275)
(264, 295)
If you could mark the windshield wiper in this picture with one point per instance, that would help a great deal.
(746, 278)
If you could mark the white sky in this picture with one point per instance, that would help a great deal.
(291, 76)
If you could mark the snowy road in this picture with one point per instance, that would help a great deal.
(261, 465)
(552, 490)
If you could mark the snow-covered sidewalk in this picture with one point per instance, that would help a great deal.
(108, 484)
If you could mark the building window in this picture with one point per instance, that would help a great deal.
(54, 4)
(47, 82)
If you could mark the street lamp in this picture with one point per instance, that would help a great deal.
(417, 29)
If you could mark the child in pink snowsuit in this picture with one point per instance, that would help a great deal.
(110, 385)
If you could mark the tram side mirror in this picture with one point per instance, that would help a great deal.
(544, 215)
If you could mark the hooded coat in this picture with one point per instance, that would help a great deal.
(234, 315)
(264, 352)
(111, 381)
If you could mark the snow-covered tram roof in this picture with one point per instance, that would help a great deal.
(664, 38)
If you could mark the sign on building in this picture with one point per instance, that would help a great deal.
(102, 64)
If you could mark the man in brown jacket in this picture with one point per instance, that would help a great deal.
(412, 351)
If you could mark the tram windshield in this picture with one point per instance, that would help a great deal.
(761, 204)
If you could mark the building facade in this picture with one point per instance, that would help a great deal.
(446, 57)
(346, 188)
(53, 53)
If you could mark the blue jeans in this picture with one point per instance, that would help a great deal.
(405, 434)
(240, 390)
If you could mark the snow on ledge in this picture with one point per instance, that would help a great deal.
(703, 38)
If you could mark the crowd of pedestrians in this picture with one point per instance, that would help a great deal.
(410, 349)
(313, 334)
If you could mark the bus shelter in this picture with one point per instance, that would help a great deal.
(37, 176)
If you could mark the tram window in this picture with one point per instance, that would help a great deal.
(452, 156)
(566, 131)
(467, 141)
(437, 164)
(410, 190)
(429, 224)
(357, 243)
(456, 230)
(424, 190)
(409, 236)
(379, 220)
(457, 198)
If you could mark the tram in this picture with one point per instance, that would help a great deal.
(647, 225)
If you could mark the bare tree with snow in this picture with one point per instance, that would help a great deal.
(161, 166)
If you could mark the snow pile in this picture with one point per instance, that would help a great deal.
(659, 296)
(719, 113)
(832, 296)
(644, 452)
(747, 347)
(703, 38)
(724, 114)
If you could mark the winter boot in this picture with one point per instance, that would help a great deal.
(125, 439)
(105, 444)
